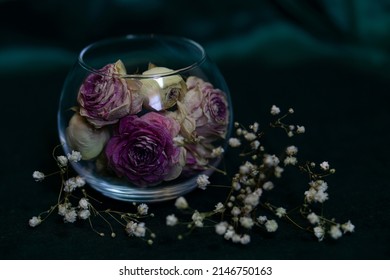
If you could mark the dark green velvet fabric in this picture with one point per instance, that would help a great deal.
(329, 60)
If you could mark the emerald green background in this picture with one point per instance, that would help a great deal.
(329, 60)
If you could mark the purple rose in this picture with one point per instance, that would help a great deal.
(143, 149)
(208, 107)
(105, 97)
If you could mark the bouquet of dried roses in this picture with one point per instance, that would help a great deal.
(153, 127)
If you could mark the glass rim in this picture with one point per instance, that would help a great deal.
(151, 37)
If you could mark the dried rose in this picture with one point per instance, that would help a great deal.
(197, 158)
(84, 138)
(143, 149)
(186, 122)
(162, 92)
(105, 96)
(208, 107)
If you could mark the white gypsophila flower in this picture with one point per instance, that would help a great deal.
(255, 145)
(234, 142)
(317, 191)
(239, 131)
(290, 160)
(321, 196)
(245, 239)
(271, 160)
(335, 232)
(262, 219)
(244, 169)
(290, 134)
(140, 230)
(236, 238)
(198, 223)
(75, 156)
(280, 212)
(291, 127)
(252, 199)
(34, 221)
(271, 225)
(291, 150)
(251, 168)
(246, 222)
(291, 110)
(229, 233)
(319, 232)
(84, 214)
(70, 216)
(221, 228)
(310, 194)
(324, 165)
(275, 110)
(278, 171)
(268, 186)
(142, 209)
(133, 228)
(216, 152)
(219, 208)
(196, 216)
(83, 203)
(313, 218)
(171, 220)
(236, 211)
(181, 203)
(236, 185)
(258, 192)
(300, 129)
(130, 228)
(250, 136)
(255, 127)
(179, 140)
(63, 208)
(70, 185)
(348, 227)
(79, 181)
(247, 168)
(38, 176)
(202, 181)
(62, 161)
(320, 185)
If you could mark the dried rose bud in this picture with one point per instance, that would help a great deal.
(84, 138)
(162, 93)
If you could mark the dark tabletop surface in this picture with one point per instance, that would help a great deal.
(330, 63)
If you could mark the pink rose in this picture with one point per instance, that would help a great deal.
(208, 107)
(105, 97)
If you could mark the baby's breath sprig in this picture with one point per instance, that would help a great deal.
(74, 203)
(246, 206)
(198, 219)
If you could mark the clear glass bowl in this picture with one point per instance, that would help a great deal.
(168, 83)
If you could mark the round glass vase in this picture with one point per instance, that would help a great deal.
(148, 114)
